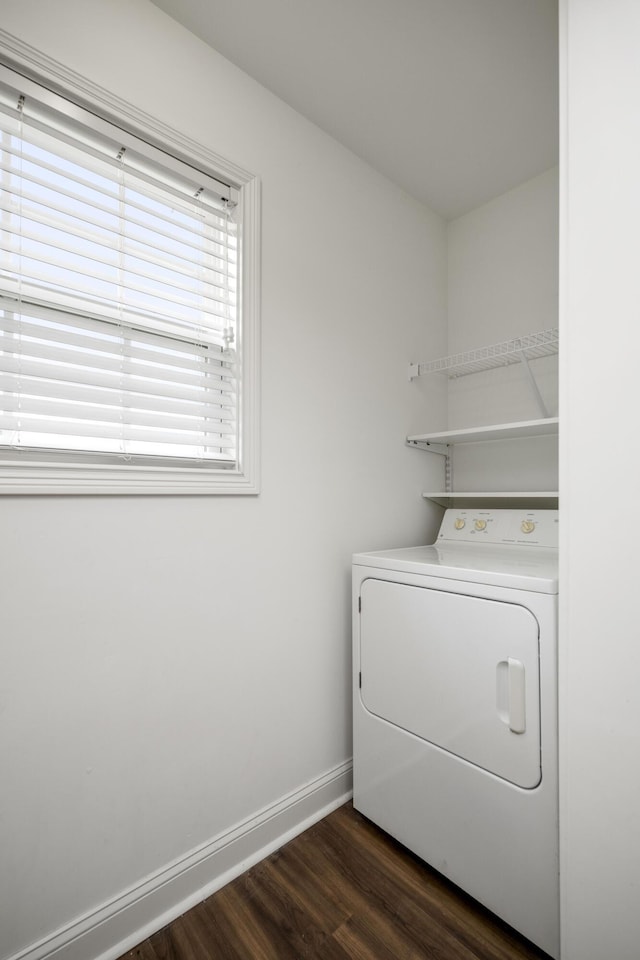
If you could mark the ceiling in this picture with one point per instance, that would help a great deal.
(454, 100)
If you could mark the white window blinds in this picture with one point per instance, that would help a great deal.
(118, 294)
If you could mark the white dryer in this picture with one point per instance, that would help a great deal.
(455, 707)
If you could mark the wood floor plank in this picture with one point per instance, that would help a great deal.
(308, 916)
(343, 890)
(398, 922)
(309, 935)
(304, 882)
(195, 936)
(408, 879)
(256, 933)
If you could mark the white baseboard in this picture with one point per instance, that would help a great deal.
(134, 915)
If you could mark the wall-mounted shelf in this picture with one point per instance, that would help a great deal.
(533, 499)
(524, 429)
(519, 350)
(442, 442)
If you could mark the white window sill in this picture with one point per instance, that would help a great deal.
(45, 478)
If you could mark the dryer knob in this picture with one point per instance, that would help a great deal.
(459, 523)
(527, 526)
(481, 524)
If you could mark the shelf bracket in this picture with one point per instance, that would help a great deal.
(443, 450)
(534, 386)
(440, 448)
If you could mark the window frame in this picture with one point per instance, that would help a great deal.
(68, 473)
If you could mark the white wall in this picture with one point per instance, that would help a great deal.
(171, 666)
(502, 283)
(600, 480)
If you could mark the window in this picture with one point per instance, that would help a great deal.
(127, 322)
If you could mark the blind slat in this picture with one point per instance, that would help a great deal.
(63, 409)
(108, 240)
(163, 353)
(76, 375)
(101, 328)
(81, 303)
(32, 257)
(113, 249)
(32, 387)
(61, 427)
(80, 205)
(59, 174)
(118, 365)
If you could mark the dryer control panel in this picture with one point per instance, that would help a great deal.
(535, 528)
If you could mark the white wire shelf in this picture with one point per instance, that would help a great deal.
(530, 347)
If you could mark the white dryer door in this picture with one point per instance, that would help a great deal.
(461, 672)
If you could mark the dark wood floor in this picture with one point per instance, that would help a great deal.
(342, 890)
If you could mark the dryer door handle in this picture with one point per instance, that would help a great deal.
(510, 694)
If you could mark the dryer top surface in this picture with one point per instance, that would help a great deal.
(512, 566)
(503, 548)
